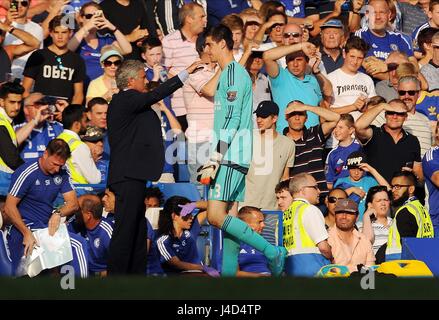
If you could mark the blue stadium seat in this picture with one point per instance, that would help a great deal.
(5, 261)
(183, 173)
(187, 190)
(4, 188)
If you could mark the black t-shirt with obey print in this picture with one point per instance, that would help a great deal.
(54, 74)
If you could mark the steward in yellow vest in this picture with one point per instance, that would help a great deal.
(304, 233)
(411, 219)
(10, 104)
(80, 164)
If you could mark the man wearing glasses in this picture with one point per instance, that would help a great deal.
(431, 70)
(421, 119)
(389, 148)
(411, 218)
(55, 70)
(19, 20)
(305, 235)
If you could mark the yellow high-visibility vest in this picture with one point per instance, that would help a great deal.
(5, 122)
(73, 142)
(425, 226)
(295, 238)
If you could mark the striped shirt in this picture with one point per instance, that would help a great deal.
(415, 34)
(416, 124)
(309, 156)
(381, 233)
(178, 54)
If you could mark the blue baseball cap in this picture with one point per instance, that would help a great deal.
(332, 23)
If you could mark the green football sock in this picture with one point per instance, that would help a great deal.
(230, 255)
(241, 231)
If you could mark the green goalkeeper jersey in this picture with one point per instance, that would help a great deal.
(233, 123)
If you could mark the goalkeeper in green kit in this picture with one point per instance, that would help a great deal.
(231, 156)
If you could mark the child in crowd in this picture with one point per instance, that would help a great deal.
(358, 183)
(336, 161)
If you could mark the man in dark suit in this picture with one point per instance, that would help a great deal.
(137, 155)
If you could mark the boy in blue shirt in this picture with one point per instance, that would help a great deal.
(336, 161)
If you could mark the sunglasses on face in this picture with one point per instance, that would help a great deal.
(88, 16)
(23, 3)
(393, 113)
(108, 63)
(332, 199)
(435, 46)
(292, 34)
(392, 66)
(409, 92)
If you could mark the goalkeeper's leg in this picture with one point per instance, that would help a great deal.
(239, 230)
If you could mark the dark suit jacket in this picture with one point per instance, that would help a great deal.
(134, 134)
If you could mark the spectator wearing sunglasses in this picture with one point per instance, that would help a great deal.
(388, 89)
(330, 202)
(292, 34)
(20, 21)
(105, 85)
(431, 70)
(421, 118)
(390, 141)
(95, 32)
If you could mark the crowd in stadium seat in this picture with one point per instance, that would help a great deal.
(344, 111)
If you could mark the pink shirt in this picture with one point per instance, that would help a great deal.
(361, 254)
(199, 108)
(178, 54)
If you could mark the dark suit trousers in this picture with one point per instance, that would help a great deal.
(128, 243)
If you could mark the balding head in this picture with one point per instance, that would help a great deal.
(303, 185)
(294, 32)
(91, 204)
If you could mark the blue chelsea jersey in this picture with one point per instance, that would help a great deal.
(35, 145)
(37, 191)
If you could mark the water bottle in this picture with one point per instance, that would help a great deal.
(207, 252)
(163, 75)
